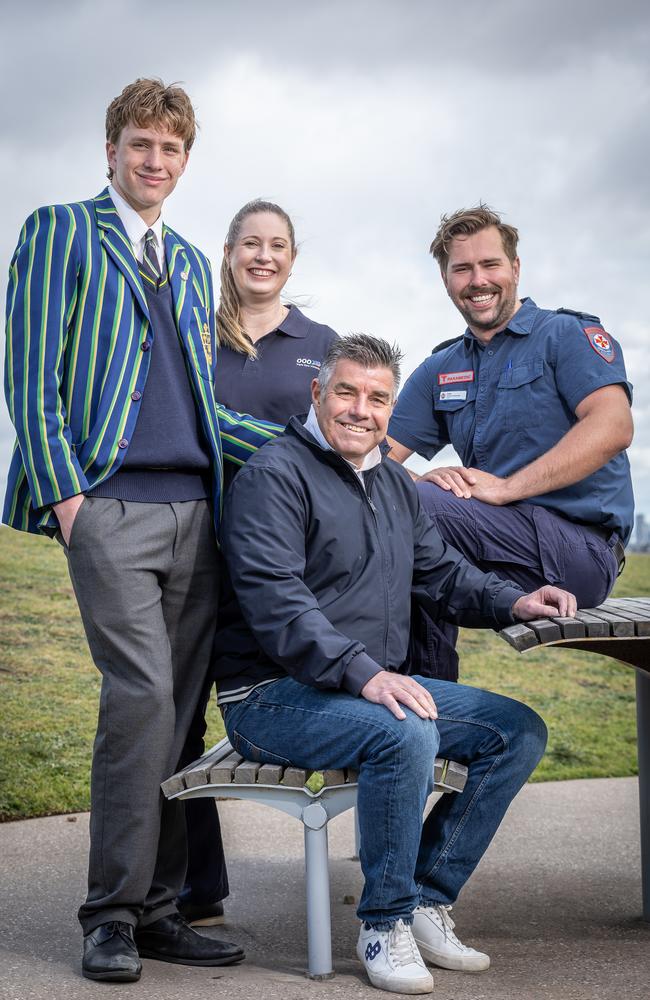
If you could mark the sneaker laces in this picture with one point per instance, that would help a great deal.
(448, 925)
(402, 948)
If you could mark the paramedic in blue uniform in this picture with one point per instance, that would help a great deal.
(537, 405)
(268, 353)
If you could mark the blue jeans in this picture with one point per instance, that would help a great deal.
(404, 863)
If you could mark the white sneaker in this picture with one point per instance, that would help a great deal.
(433, 930)
(392, 960)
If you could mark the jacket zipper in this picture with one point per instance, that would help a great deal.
(374, 512)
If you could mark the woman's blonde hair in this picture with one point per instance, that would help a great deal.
(230, 332)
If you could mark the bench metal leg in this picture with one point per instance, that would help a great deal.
(319, 925)
(643, 742)
(357, 835)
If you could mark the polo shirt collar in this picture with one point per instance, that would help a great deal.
(521, 323)
(295, 323)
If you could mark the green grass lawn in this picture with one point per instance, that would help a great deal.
(49, 688)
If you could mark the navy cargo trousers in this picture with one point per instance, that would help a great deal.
(522, 542)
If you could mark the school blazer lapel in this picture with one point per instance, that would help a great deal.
(180, 281)
(118, 245)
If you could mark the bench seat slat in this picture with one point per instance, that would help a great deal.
(641, 623)
(270, 774)
(596, 628)
(639, 605)
(520, 636)
(173, 785)
(449, 776)
(545, 629)
(246, 773)
(196, 777)
(571, 628)
(333, 778)
(618, 626)
(221, 773)
(296, 777)
(199, 769)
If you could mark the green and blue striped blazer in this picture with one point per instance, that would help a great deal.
(77, 318)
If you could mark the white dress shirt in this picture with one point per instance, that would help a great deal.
(372, 458)
(136, 228)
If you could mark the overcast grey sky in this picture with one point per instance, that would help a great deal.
(366, 121)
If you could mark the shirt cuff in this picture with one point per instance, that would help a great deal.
(503, 604)
(358, 672)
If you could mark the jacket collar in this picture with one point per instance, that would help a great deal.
(178, 269)
(118, 245)
(311, 425)
(296, 428)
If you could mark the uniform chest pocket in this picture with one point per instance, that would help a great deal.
(520, 394)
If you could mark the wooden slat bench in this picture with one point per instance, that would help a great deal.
(620, 628)
(314, 798)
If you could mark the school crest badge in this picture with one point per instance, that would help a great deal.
(207, 343)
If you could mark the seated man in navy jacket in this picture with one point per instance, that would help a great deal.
(325, 541)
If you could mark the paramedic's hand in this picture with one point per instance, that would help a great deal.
(453, 478)
(389, 689)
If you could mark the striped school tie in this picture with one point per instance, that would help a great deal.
(150, 264)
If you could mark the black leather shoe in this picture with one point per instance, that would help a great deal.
(110, 954)
(201, 914)
(171, 939)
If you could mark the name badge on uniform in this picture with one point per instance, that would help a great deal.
(451, 378)
(207, 343)
(453, 394)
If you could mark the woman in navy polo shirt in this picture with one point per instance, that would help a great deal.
(267, 357)
(268, 352)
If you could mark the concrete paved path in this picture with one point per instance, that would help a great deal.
(556, 903)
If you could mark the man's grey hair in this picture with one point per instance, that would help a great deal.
(369, 352)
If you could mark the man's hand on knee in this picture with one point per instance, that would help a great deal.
(453, 478)
(547, 602)
(390, 689)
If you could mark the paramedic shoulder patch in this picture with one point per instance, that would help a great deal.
(601, 342)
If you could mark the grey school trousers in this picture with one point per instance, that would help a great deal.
(146, 580)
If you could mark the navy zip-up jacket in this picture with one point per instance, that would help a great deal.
(323, 570)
